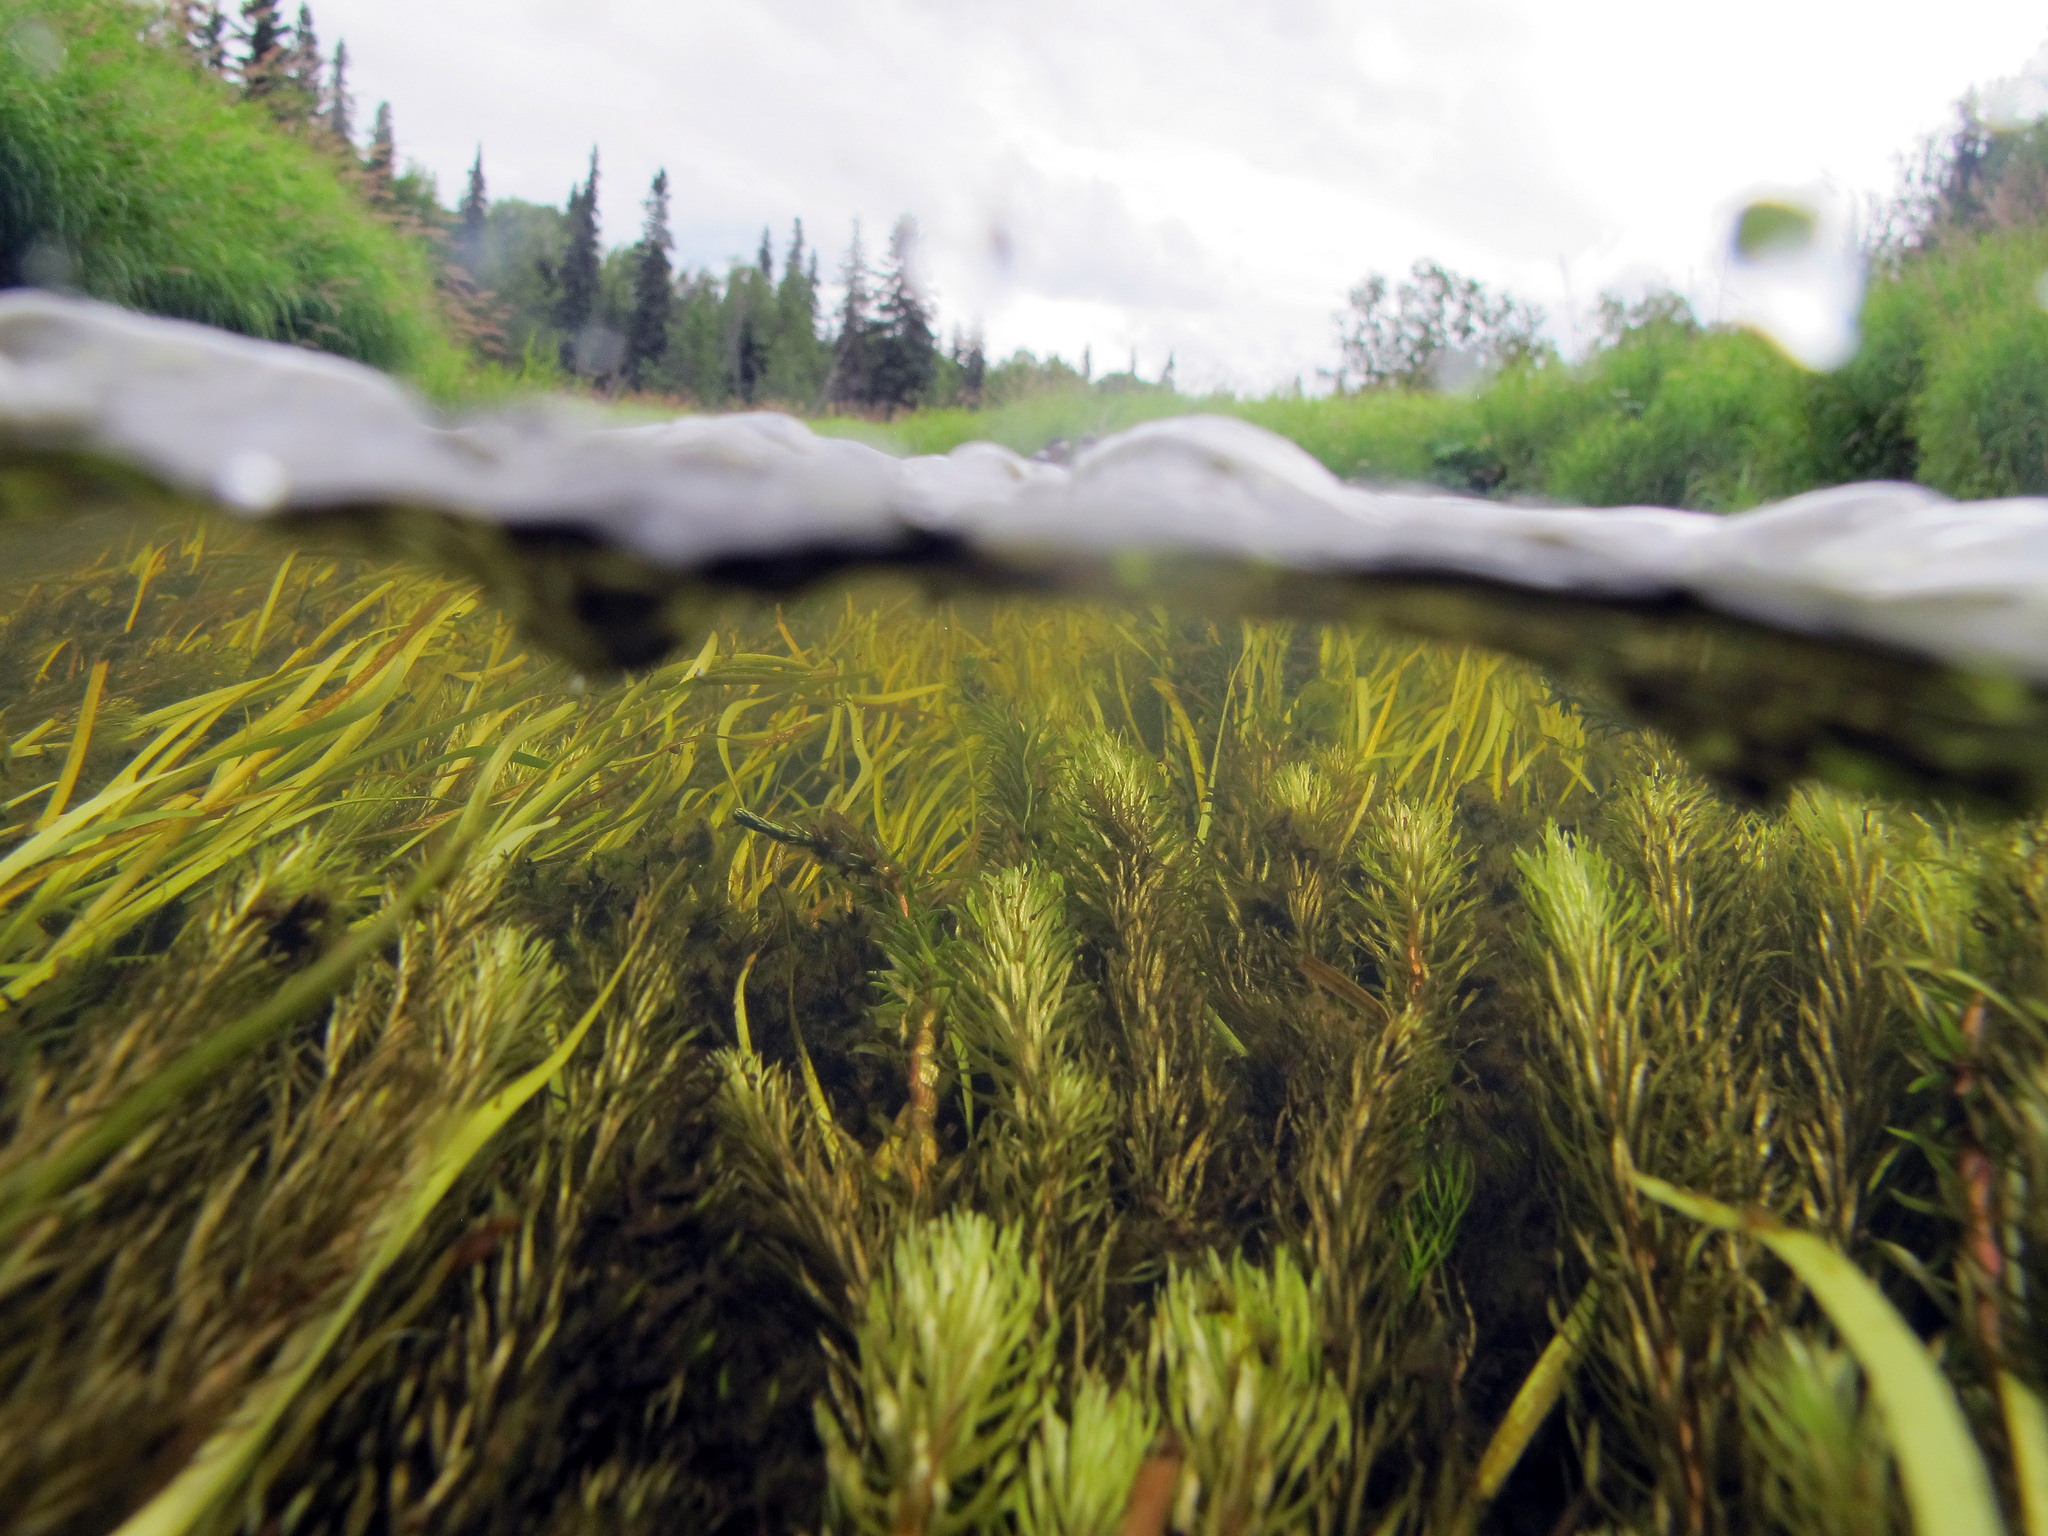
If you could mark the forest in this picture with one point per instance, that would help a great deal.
(909, 1065)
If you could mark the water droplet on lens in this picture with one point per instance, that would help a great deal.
(1002, 248)
(1767, 229)
(252, 480)
(39, 47)
(599, 350)
(49, 264)
(1797, 276)
(1458, 370)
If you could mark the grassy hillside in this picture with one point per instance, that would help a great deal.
(130, 175)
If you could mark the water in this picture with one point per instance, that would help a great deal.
(1143, 1007)
(1927, 619)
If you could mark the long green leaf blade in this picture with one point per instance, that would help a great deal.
(1946, 1482)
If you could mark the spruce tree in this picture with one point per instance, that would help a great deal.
(974, 370)
(576, 275)
(383, 158)
(848, 381)
(747, 325)
(263, 36)
(653, 287)
(211, 40)
(302, 67)
(696, 363)
(797, 359)
(341, 106)
(906, 354)
(475, 210)
(750, 357)
(793, 265)
(766, 259)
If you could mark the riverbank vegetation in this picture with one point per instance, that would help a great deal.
(189, 163)
(1948, 388)
(130, 171)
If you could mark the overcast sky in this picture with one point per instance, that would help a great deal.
(1195, 177)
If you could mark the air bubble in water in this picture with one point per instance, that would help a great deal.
(1796, 274)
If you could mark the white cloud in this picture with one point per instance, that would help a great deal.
(1201, 176)
(1077, 237)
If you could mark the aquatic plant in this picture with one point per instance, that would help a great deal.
(979, 1067)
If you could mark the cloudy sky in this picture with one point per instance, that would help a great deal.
(1194, 177)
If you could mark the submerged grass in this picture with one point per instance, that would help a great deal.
(917, 1069)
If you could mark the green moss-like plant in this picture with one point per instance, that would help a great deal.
(1005, 1068)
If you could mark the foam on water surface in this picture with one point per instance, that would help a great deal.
(1889, 603)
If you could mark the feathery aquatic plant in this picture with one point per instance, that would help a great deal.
(1011, 1067)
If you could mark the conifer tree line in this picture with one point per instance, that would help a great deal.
(533, 284)
(283, 65)
(756, 334)
(536, 283)
(277, 62)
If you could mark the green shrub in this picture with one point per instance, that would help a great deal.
(1981, 413)
(131, 176)
(1527, 412)
(1027, 425)
(1381, 434)
(1721, 425)
(1984, 416)
(1862, 414)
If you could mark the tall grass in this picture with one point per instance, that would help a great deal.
(1977, 419)
(1026, 426)
(129, 175)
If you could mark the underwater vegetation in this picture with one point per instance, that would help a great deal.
(1005, 1067)
(1001, 1066)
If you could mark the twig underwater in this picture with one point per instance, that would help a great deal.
(1102, 1039)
